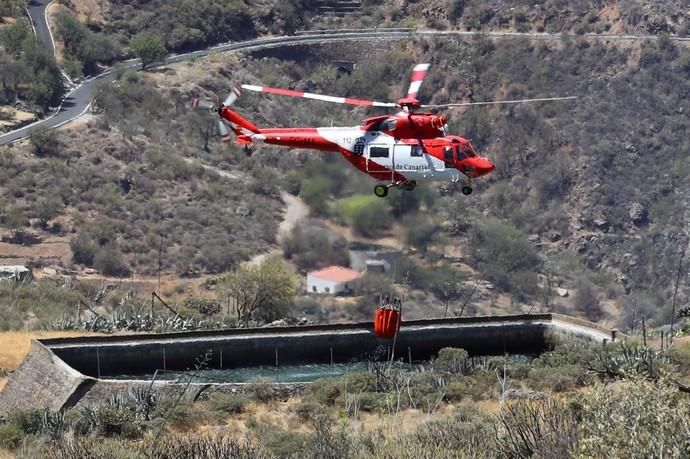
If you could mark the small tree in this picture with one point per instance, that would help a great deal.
(446, 285)
(83, 249)
(107, 260)
(261, 293)
(45, 143)
(149, 48)
(367, 214)
(15, 220)
(47, 209)
(419, 233)
(312, 247)
(586, 299)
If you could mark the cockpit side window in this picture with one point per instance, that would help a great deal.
(448, 155)
(469, 151)
(460, 153)
(416, 151)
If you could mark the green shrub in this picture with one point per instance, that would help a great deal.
(420, 233)
(107, 260)
(568, 353)
(311, 247)
(680, 355)
(307, 411)
(202, 305)
(557, 379)
(506, 257)
(315, 192)
(227, 403)
(636, 419)
(280, 442)
(181, 416)
(11, 436)
(359, 382)
(451, 360)
(426, 391)
(367, 214)
(83, 249)
(466, 430)
(481, 385)
(261, 389)
(324, 391)
(29, 421)
(457, 390)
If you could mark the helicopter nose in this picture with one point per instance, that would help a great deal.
(484, 166)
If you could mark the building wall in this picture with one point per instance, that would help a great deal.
(318, 285)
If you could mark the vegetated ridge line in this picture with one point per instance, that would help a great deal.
(78, 100)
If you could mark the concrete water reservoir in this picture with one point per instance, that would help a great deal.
(57, 373)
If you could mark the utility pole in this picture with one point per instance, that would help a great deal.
(675, 290)
(160, 258)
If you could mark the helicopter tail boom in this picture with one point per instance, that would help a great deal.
(242, 127)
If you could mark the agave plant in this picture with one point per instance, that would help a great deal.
(53, 424)
(624, 361)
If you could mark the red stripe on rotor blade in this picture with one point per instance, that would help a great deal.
(282, 92)
(363, 103)
(418, 75)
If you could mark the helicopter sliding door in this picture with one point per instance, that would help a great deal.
(380, 161)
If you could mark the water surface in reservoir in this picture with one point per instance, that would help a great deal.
(283, 373)
(288, 373)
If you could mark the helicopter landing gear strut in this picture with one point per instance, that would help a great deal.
(467, 189)
(382, 190)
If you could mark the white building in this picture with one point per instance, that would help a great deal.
(15, 273)
(332, 280)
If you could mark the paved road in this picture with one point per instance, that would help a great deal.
(37, 15)
(78, 99)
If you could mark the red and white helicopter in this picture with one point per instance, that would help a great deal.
(401, 149)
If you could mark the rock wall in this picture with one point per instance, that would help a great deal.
(43, 380)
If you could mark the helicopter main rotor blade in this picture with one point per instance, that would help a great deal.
(203, 104)
(499, 102)
(418, 74)
(223, 130)
(232, 97)
(322, 97)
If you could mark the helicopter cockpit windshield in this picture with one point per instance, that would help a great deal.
(464, 151)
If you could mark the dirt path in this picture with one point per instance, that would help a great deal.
(295, 212)
(223, 173)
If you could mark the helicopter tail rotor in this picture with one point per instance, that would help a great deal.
(228, 120)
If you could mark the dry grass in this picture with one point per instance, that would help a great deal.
(15, 345)
(15, 116)
(90, 10)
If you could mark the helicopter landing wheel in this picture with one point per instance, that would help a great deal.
(409, 186)
(381, 191)
(467, 190)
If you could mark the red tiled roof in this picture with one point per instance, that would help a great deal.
(337, 274)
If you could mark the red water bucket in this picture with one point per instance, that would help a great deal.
(386, 322)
